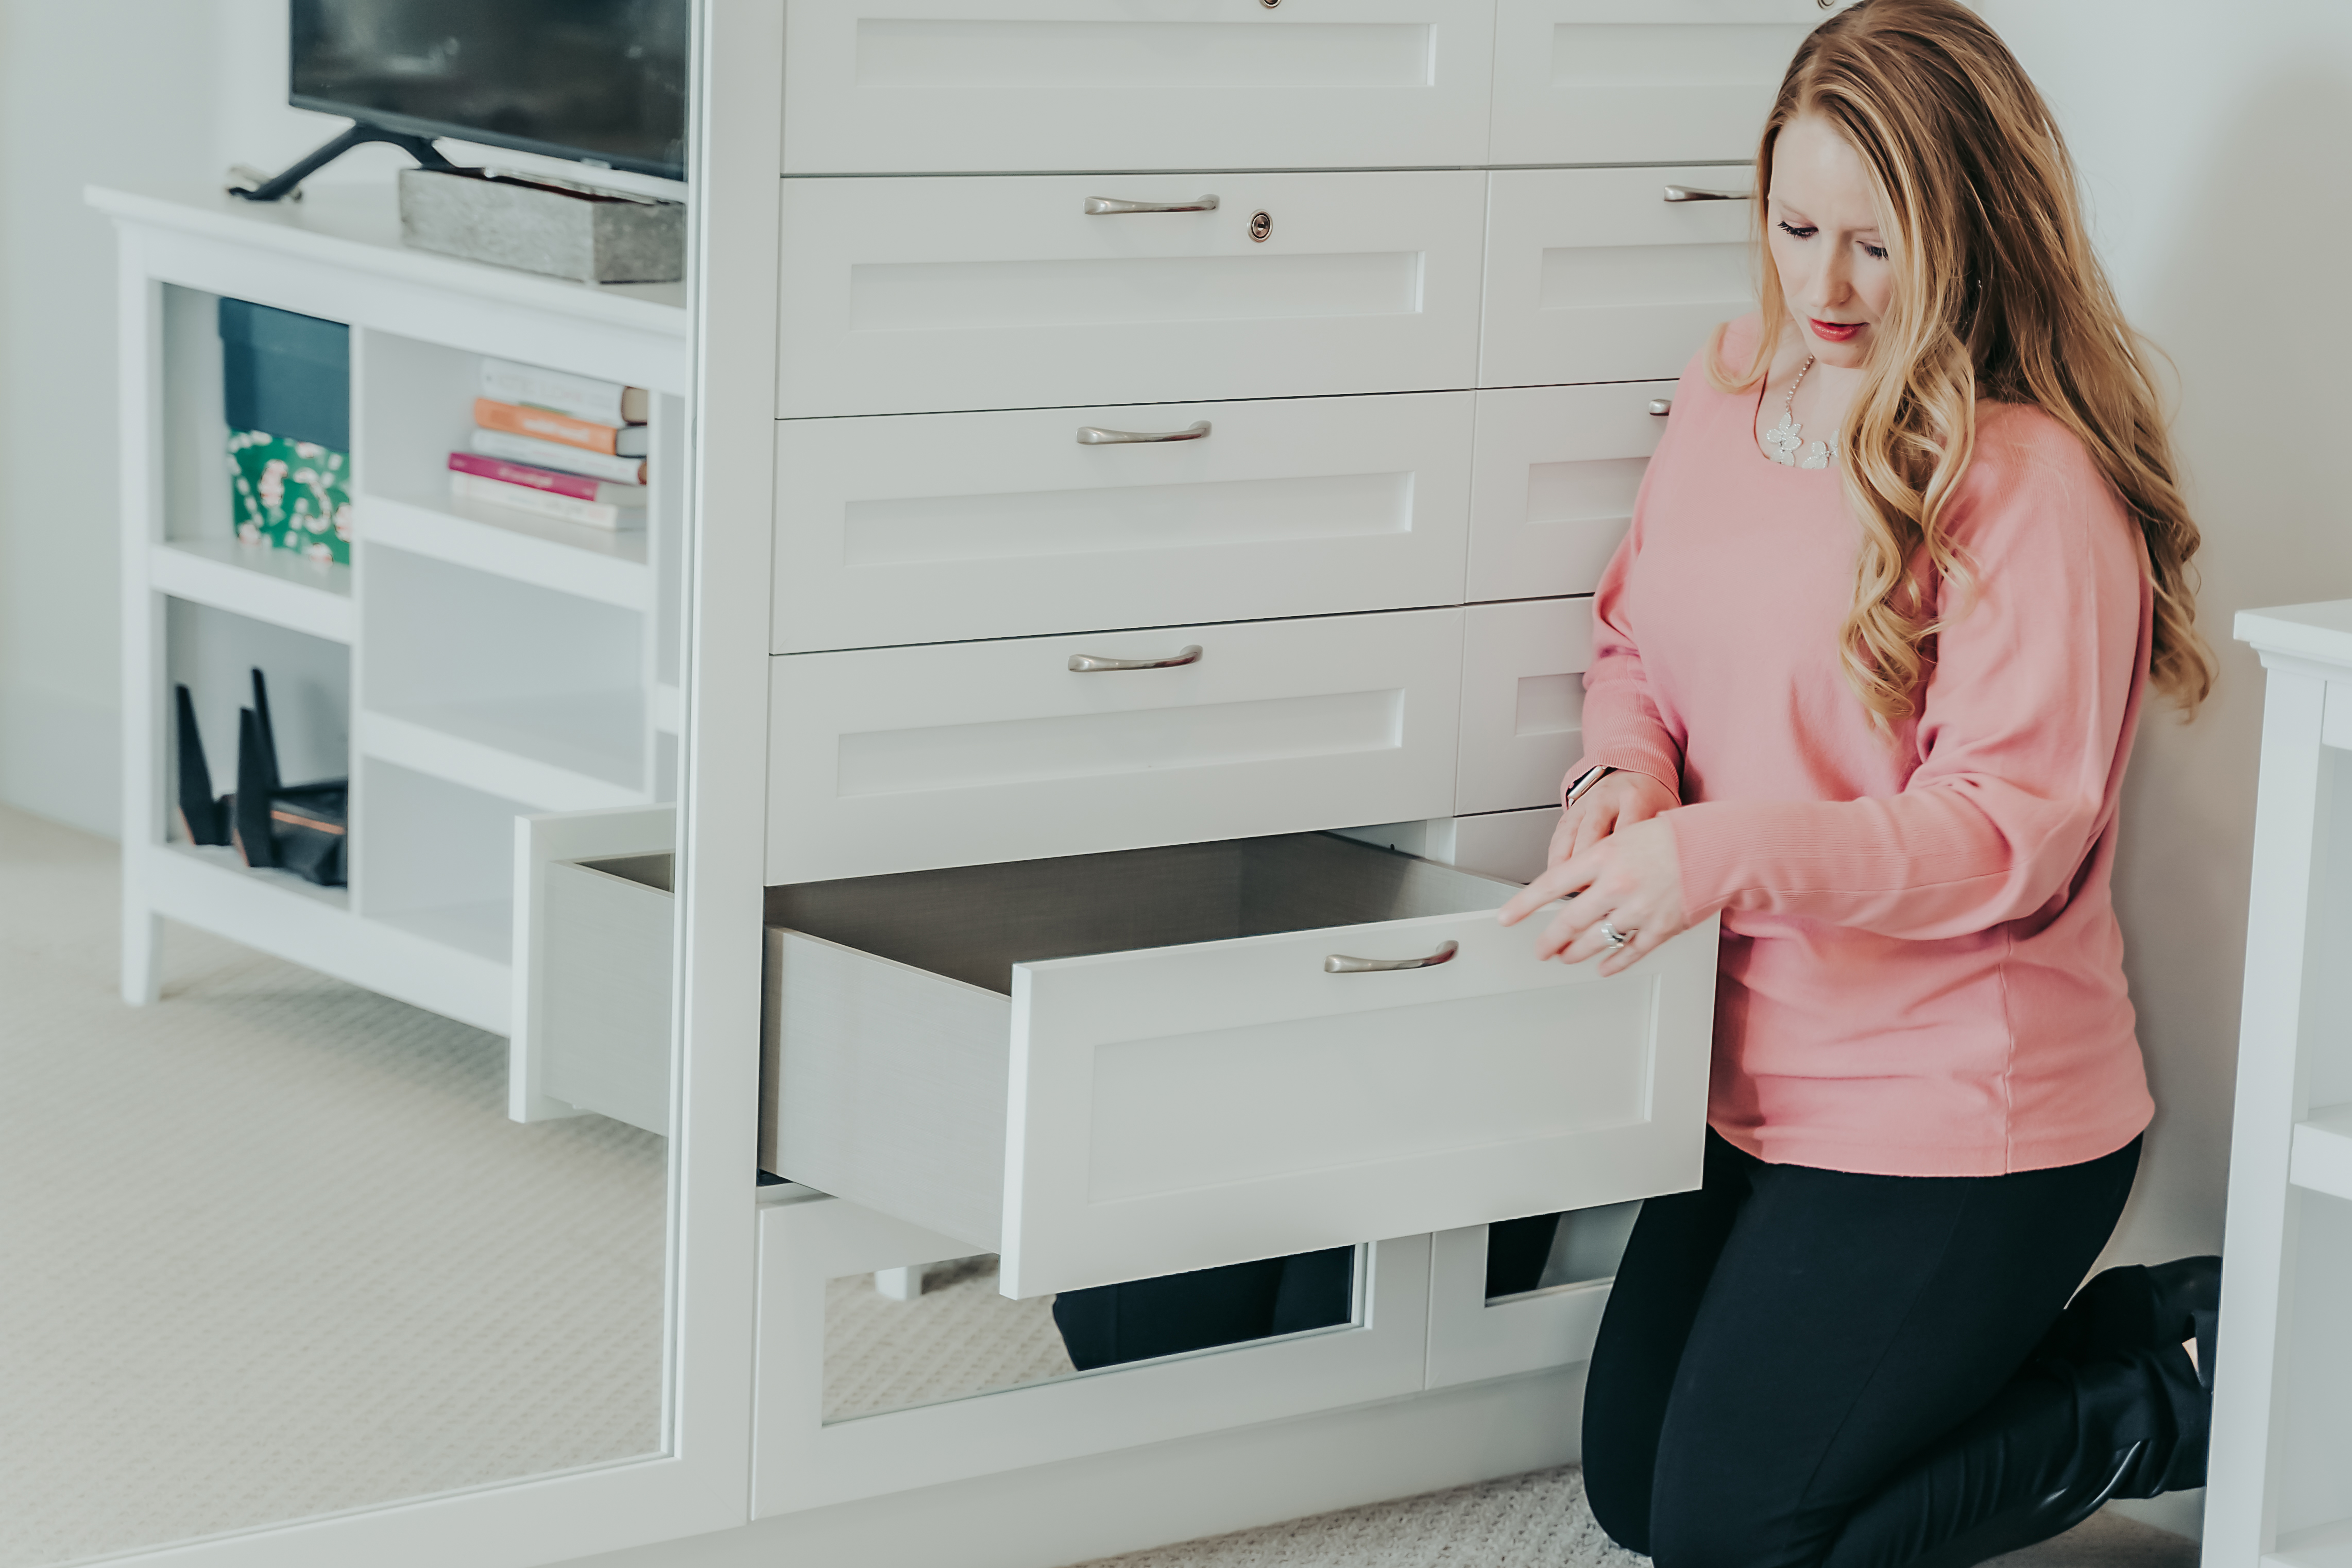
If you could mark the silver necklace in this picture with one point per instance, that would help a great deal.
(1788, 438)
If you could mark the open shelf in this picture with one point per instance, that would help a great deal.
(485, 930)
(609, 567)
(278, 586)
(279, 884)
(574, 751)
(2321, 1159)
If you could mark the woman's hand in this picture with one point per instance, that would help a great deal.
(1615, 804)
(1632, 879)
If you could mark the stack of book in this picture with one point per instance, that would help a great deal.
(559, 446)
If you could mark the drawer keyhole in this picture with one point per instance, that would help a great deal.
(1261, 224)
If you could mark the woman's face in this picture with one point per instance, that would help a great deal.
(1824, 227)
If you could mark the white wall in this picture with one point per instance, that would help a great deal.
(107, 90)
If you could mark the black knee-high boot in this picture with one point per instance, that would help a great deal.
(2098, 1413)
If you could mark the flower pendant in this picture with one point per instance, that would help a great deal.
(1787, 440)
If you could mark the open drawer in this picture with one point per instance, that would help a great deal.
(591, 1009)
(1108, 1066)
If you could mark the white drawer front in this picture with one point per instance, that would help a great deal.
(948, 86)
(1557, 471)
(939, 527)
(1621, 81)
(921, 296)
(1218, 1096)
(1522, 701)
(1591, 275)
(963, 753)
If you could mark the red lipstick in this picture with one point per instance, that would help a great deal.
(1835, 332)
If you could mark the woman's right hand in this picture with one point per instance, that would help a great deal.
(1614, 804)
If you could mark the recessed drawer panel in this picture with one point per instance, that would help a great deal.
(946, 86)
(895, 759)
(1522, 701)
(1117, 1066)
(926, 296)
(1621, 81)
(1593, 275)
(1557, 473)
(935, 526)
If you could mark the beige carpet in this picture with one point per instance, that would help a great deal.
(959, 1338)
(272, 1249)
(1541, 1520)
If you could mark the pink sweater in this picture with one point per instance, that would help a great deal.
(1921, 968)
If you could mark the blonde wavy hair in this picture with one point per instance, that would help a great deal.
(1997, 295)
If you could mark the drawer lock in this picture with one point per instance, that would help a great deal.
(1261, 224)
(1341, 963)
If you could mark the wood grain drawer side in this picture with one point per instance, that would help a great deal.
(1110, 1067)
(941, 527)
(913, 296)
(956, 753)
(986, 86)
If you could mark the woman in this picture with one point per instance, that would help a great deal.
(1866, 672)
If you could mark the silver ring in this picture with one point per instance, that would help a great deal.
(1615, 937)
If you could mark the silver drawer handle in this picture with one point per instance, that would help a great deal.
(1341, 963)
(1694, 193)
(1095, 436)
(1089, 664)
(1101, 206)
(1662, 406)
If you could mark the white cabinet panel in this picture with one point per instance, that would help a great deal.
(962, 753)
(801, 1460)
(591, 1014)
(939, 526)
(921, 296)
(948, 86)
(1624, 81)
(1593, 275)
(1522, 701)
(1553, 483)
(1186, 1081)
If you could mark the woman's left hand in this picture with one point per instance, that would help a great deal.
(1632, 879)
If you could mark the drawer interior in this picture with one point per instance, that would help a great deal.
(973, 923)
(653, 871)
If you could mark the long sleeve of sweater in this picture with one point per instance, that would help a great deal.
(2022, 730)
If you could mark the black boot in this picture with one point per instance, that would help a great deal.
(2059, 1441)
(2143, 1308)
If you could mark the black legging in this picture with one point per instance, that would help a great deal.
(1783, 1345)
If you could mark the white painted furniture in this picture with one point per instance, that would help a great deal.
(1432, 326)
(1127, 521)
(2281, 1490)
(470, 664)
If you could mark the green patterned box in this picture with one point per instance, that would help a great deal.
(290, 495)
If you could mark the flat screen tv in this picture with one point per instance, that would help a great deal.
(603, 81)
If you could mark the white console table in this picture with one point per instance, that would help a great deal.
(2281, 1481)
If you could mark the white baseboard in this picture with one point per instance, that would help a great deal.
(1125, 1502)
(61, 758)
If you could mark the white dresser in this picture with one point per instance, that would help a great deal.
(1200, 425)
